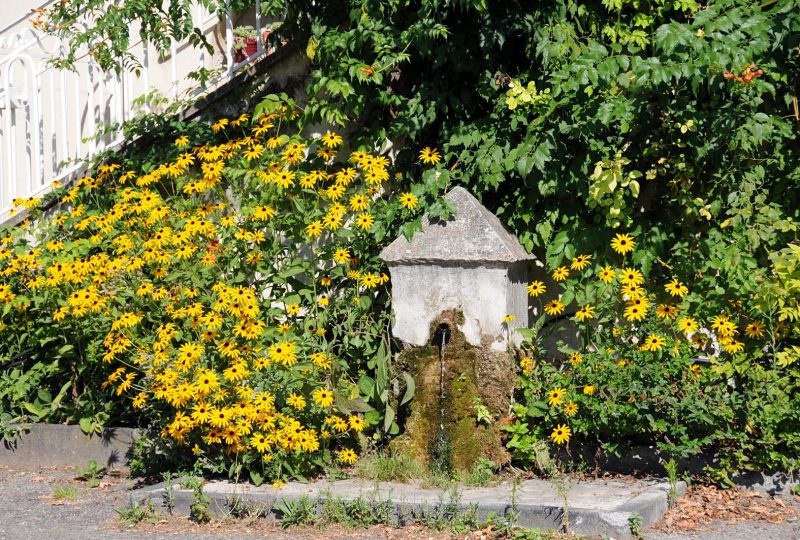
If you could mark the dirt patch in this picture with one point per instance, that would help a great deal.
(703, 504)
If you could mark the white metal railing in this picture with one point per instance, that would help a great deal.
(49, 118)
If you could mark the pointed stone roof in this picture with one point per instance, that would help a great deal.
(472, 235)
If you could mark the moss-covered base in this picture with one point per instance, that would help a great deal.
(477, 390)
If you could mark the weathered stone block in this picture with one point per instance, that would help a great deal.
(469, 263)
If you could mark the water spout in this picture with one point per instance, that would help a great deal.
(443, 328)
(441, 451)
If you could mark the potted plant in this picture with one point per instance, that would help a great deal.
(245, 43)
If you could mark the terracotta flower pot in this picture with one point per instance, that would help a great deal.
(250, 48)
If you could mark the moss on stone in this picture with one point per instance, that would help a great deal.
(472, 376)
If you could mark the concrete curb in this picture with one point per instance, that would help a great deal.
(614, 522)
(55, 445)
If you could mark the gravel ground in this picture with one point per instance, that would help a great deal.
(28, 510)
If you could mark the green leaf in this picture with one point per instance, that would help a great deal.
(410, 389)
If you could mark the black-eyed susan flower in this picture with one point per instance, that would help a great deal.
(536, 288)
(554, 307)
(676, 288)
(331, 140)
(687, 324)
(667, 311)
(607, 274)
(653, 343)
(561, 273)
(365, 221)
(323, 397)
(357, 423)
(429, 156)
(342, 256)
(555, 396)
(631, 276)
(754, 330)
(347, 456)
(585, 313)
(408, 201)
(623, 244)
(570, 408)
(561, 434)
(580, 262)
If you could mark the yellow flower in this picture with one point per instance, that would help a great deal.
(561, 434)
(358, 202)
(635, 312)
(536, 288)
(182, 141)
(607, 274)
(631, 276)
(323, 397)
(555, 396)
(283, 353)
(260, 443)
(653, 343)
(357, 423)
(365, 220)
(623, 244)
(408, 201)
(585, 313)
(314, 229)
(589, 389)
(754, 329)
(575, 358)
(527, 364)
(571, 408)
(687, 324)
(667, 311)
(297, 401)
(580, 262)
(508, 318)
(733, 346)
(554, 307)
(429, 156)
(347, 456)
(676, 288)
(560, 273)
(139, 400)
(342, 256)
(219, 125)
(331, 140)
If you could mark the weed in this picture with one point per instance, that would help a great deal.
(466, 520)
(92, 473)
(636, 524)
(244, 509)
(199, 511)
(389, 466)
(796, 490)
(65, 493)
(169, 492)
(481, 474)
(136, 513)
(671, 467)
(558, 478)
(303, 511)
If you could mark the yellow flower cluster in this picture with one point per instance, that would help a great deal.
(215, 309)
(616, 298)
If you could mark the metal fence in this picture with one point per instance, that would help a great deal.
(53, 119)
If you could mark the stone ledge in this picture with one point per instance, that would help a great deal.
(595, 507)
(56, 445)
